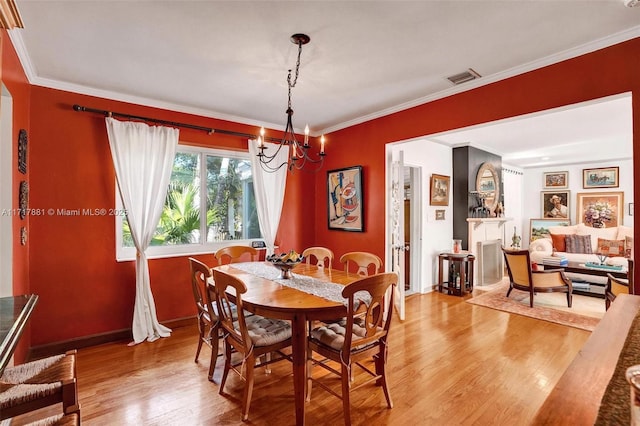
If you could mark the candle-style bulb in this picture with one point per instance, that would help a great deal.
(306, 136)
(322, 144)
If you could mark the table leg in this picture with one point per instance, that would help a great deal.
(299, 352)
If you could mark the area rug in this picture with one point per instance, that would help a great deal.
(585, 312)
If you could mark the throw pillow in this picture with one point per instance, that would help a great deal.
(628, 247)
(578, 244)
(611, 248)
(558, 242)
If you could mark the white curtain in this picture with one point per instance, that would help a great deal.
(269, 192)
(143, 159)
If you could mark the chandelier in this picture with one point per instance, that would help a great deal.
(299, 155)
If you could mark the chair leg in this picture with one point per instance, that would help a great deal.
(309, 371)
(569, 298)
(509, 291)
(227, 365)
(346, 386)
(215, 339)
(381, 362)
(248, 387)
(201, 327)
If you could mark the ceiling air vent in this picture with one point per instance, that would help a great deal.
(463, 77)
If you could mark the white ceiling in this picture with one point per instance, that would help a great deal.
(229, 59)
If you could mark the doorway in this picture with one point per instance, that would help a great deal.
(412, 229)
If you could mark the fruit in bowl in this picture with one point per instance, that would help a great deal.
(285, 261)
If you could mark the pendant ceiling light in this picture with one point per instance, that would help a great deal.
(299, 156)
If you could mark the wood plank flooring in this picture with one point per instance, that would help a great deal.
(451, 363)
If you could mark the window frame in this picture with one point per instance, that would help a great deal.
(124, 254)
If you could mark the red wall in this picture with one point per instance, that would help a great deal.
(83, 290)
(602, 73)
(71, 264)
(16, 82)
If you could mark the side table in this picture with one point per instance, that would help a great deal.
(459, 273)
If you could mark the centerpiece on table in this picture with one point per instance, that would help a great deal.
(284, 262)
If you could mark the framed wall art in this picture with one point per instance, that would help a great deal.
(555, 204)
(23, 198)
(600, 209)
(345, 199)
(439, 190)
(439, 214)
(604, 177)
(540, 227)
(22, 151)
(556, 180)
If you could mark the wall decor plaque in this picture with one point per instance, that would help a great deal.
(22, 151)
(23, 198)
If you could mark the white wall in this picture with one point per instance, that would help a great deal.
(432, 158)
(534, 184)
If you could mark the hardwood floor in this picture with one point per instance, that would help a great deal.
(450, 363)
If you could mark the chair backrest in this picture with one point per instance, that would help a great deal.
(323, 255)
(366, 301)
(200, 274)
(518, 266)
(363, 260)
(226, 309)
(233, 254)
(616, 286)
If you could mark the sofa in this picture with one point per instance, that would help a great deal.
(580, 243)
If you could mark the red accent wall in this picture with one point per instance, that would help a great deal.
(16, 83)
(71, 260)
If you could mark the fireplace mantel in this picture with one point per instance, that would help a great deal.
(483, 232)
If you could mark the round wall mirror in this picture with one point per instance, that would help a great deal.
(488, 185)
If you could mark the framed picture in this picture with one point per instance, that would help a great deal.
(439, 214)
(439, 190)
(345, 199)
(600, 209)
(557, 180)
(555, 204)
(604, 177)
(540, 227)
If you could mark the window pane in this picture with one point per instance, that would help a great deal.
(230, 200)
(180, 219)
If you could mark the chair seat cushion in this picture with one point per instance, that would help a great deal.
(48, 370)
(332, 334)
(266, 331)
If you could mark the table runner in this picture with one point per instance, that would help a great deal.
(325, 289)
(614, 407)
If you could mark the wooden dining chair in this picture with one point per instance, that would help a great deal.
(613, 288)
(363, 260)
(207, 315)
(522, 277)
(251, 336)
(38, 384)
(361, 335)
(323, 256)
(234, 254)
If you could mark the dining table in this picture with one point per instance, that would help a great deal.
(312, 293)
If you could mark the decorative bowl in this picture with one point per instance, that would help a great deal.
(284, 262)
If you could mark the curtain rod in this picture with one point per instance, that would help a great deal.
(209, 130)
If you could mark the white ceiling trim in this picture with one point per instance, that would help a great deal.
(34, 79)
(484, 80)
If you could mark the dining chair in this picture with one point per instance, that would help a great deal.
(522, 277)
(208, 321)
(251, 336)
(233, 254)
(38, 384)
(361, 335)
(613, 288)
(363, 260)
(323, 256)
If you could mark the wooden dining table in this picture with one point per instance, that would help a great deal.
(271, 298)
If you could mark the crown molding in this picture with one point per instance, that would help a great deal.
(31, 73)
(9, 15)
(602, 43)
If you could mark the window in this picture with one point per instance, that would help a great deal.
(189, 225)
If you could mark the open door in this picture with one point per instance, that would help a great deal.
(397, 230)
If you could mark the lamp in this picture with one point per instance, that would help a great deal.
(299, 152)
